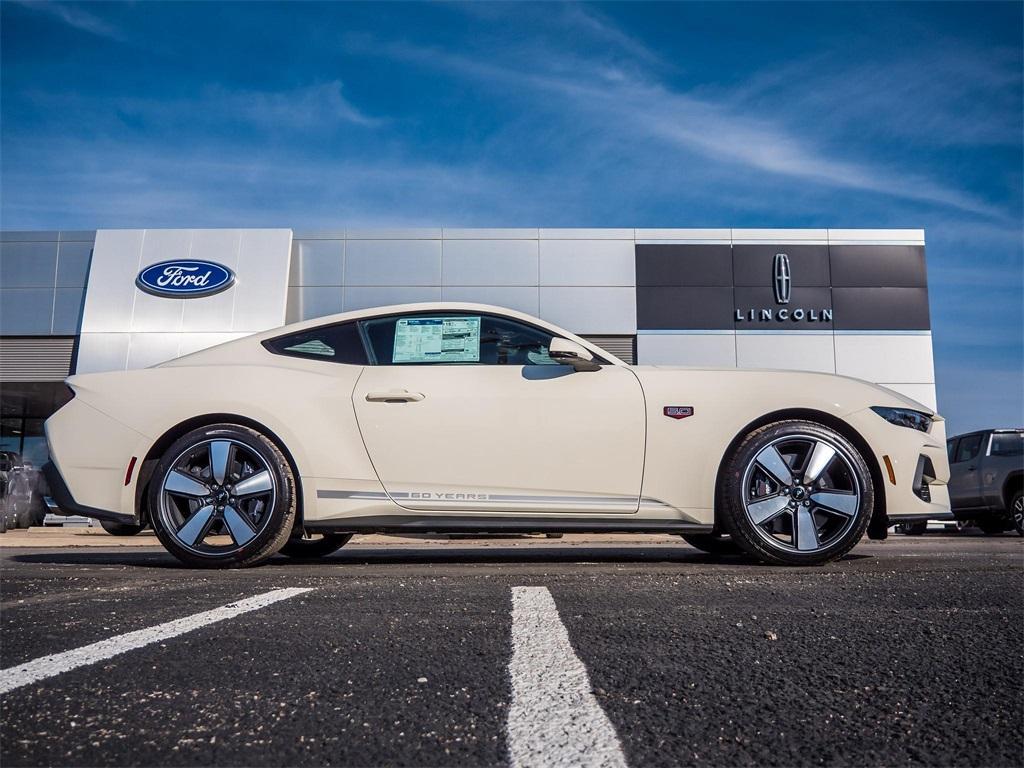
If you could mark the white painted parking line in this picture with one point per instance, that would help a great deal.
(56, 663)
(554, 719)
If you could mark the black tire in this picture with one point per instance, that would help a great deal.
(1017, 512)
(270, 516)
(121, 529)
(713, 543)
(315, 545)
(913, 529)
(992, 527)
(818, 532)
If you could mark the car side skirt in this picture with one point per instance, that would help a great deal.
(486, 525)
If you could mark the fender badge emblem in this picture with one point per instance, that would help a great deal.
(678, 411)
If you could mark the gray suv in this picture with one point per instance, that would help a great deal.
(987, 479)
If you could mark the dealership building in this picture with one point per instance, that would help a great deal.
(853, 302)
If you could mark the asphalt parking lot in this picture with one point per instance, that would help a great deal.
(529, 652)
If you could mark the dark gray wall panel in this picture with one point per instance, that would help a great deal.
(869, 266)
(683, 308)
(753, 264)
(678, 264)
(869, 309)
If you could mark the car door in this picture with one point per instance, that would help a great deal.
(964, 478)
(467, 412)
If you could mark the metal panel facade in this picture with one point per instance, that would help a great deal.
(855, 301)
(124, 327)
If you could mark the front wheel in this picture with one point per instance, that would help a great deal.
(311, 545)
(1017, 511)
(223, 496)
(796, 493)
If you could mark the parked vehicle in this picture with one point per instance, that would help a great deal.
(466, 418)
(986, 484)
(20, 502)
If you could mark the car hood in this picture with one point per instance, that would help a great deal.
(810, 381)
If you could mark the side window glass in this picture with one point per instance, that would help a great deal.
(950, 450)
(333, 343)
(456, 338)
(969, 448)
(507, 342)
(1008, 444)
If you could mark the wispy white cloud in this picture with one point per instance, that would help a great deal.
(317, 106)
(949, 94)
(76, 16)
(590, 21)
(125, 184)
(636, 107)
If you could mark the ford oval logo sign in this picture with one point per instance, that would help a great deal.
(185, 279)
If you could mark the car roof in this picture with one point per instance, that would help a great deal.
(998, 431)
(398, 309)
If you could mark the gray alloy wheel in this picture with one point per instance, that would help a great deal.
(222, 496)
(796, 493)
(1017, 511)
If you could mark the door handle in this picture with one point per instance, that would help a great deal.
(395, 396)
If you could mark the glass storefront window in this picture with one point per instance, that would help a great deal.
(10, 435)
(33, 443)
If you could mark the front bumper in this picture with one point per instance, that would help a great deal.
(899, 453)
(65, 502)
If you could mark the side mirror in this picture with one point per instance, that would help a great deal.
(570, 353)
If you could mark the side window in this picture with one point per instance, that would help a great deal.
(332, 343)
(456, 338)
(951, 449)
(970, 446)
(1007, 444)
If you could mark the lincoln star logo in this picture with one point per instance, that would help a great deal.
(783, 278)
(185, 279)
(782, 284)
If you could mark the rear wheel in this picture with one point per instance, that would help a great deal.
(311, 545)
(222, 497)
(120, 529)
(796, 493)
(1017, 512)
(713, 543)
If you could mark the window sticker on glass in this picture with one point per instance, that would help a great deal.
(437, 340)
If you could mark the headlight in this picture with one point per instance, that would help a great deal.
(904, 417)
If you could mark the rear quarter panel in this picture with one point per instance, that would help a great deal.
(307, 405)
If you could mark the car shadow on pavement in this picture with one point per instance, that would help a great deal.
(497, 555)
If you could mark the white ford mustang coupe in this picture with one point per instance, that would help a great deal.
(452, 417)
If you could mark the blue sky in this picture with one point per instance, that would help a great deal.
(686, 115)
